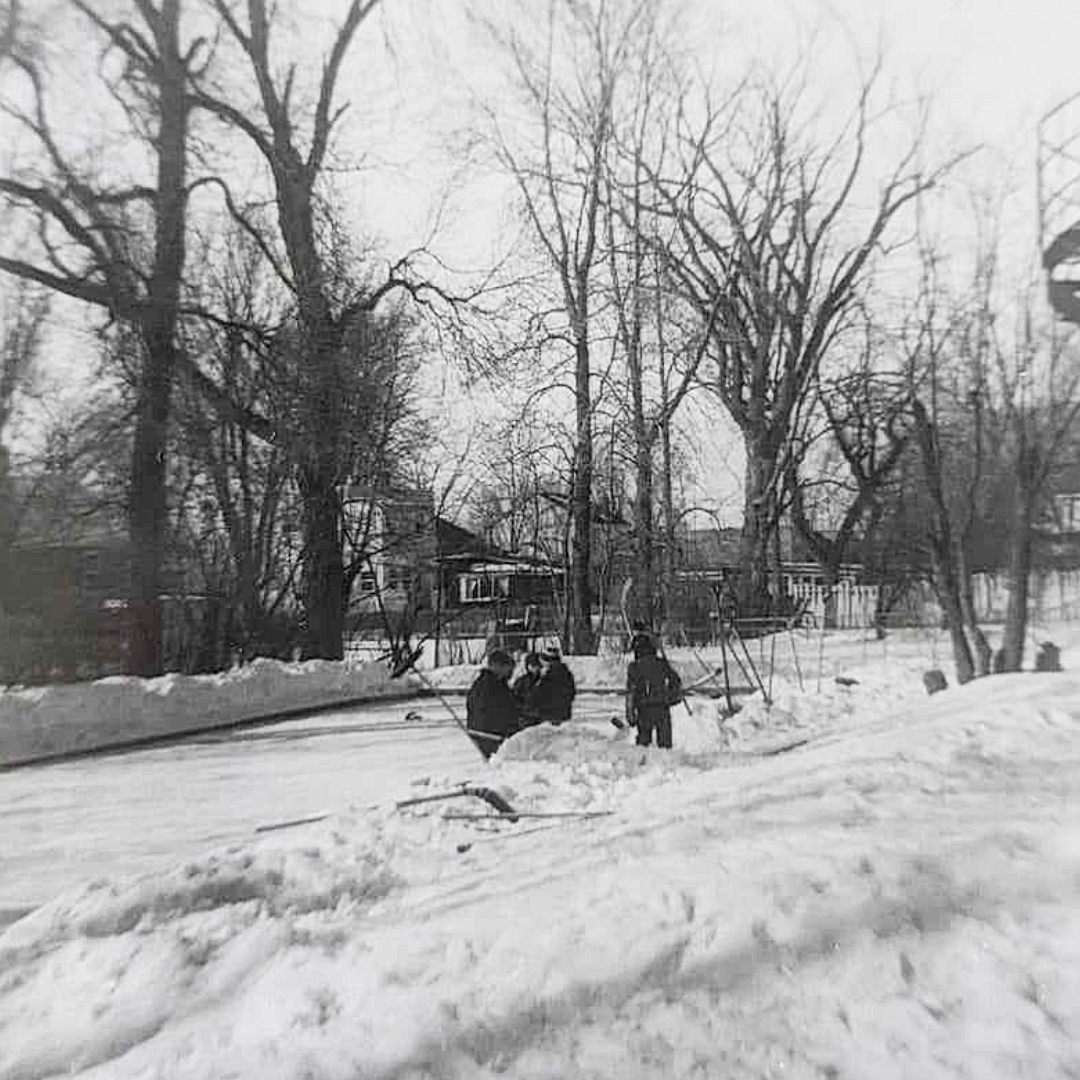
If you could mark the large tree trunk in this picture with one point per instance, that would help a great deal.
(147, 516)
(147, 500)
(757, 530)
(582, 636)
(324, 566)
(325, 596)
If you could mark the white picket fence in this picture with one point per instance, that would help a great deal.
(855, 604)
(1053, 594)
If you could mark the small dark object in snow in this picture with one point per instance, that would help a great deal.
(934, 680)
(1048, 657)
(412, 716)
(907, 969)
(462, 848)
(846, 680)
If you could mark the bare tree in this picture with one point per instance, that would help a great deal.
(867, 426)
(946, 345)
(772, 252)
(662, 357)
(335, 302)
(120, 246)
(557, 156)
(1040, 392)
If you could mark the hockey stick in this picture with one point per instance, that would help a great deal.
(472, 735)
(492, 798)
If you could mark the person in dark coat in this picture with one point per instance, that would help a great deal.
(527, 689)
(557, 689)
(491, 710)
(652, 687)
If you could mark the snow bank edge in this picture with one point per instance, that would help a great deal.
(57, 721)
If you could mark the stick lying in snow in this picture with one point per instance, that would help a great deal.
(452, 816)
(290, 824)
(492, 798)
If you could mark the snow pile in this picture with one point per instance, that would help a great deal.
(695, 730)
(900, 897)
(61, 719)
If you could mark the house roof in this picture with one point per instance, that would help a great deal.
(456, 542)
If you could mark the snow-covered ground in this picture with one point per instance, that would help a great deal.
(897, 896)
(67, 823)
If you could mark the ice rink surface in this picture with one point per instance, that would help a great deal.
(67, 823)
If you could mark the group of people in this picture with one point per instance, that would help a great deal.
(544, 692)
(497, 708)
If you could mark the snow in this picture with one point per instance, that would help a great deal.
(53, 720)
(896, 897)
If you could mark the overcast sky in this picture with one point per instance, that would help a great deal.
(993, 68)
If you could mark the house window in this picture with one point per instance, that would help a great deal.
(368, 583)
(483, 588)
(1069, 512)
(395, 578)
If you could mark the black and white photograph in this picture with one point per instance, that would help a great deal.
(539, 539)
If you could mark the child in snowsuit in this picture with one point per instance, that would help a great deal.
(652, 687)
(491, 710)
(528, 689)
(557, 689)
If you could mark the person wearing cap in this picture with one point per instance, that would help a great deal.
(527, 689)
(557, 689)
(492, 713)
(652, 687)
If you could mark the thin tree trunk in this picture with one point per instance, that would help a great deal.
(982, 653)
(582, 637)
(1020, 559)
(643, 609)
(668, 582)
(948, 592)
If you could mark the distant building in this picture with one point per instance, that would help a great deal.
(421, 566)
(65, 579)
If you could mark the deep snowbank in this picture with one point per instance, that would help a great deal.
(898, 898)
(51, 720)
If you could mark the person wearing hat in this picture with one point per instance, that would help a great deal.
(652, 687)
(527, 690)
(557, 689)
(492, 713)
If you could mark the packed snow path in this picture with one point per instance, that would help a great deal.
(66, 823)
